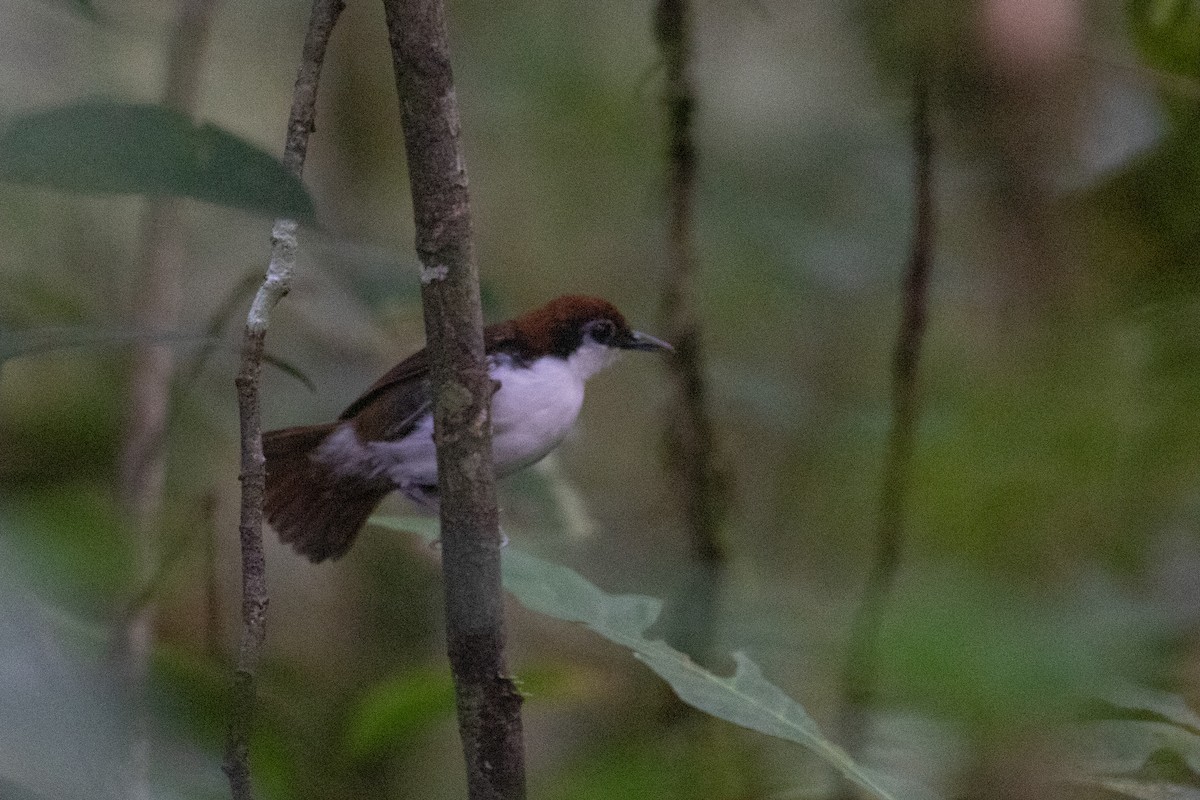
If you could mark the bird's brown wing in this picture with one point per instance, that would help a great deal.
(397, 401)
(394, 403)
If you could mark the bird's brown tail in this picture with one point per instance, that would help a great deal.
(314, 509)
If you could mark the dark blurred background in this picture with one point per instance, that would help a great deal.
(1053, 516)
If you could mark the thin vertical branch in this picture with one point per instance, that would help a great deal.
(142, 465)
(689, 439)
(489, 706)
(860, 675)
(301, 123)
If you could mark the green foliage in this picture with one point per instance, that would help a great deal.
(63, 428)
(393, 711)
(968, 647)
(746, 698)
(683, 762)
(1169, 707)
(632, 769)
(1155, 756)
(193, 692)
(74, 543)
(1143, 236)
(1168, 34)
(101, 147)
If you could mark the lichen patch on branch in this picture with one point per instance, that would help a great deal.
(435, 272)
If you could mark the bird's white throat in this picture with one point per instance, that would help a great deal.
(590, 358)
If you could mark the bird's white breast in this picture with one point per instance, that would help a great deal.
(532, 412)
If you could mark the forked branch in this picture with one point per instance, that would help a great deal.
(253, 473)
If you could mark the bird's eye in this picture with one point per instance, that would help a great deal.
(602, 331)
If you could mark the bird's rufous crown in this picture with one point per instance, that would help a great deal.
(557, 327)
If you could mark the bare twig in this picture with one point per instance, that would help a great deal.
(301, 123)
(689, 441)
(142, 468)
(489, 706)
(859, 677)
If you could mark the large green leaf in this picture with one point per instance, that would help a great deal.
(1122, 746)
(1143, 699)
(746, 698)
(106, 147)
(1146, 759)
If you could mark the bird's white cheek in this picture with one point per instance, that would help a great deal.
(591, 358)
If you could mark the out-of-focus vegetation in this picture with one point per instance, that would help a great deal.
(1053, 550)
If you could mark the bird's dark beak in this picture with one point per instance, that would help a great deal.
(644, 341)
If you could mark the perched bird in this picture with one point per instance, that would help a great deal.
(323, 481)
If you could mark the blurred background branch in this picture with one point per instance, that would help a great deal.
(698, 485)
(860, 676)
(142, 469)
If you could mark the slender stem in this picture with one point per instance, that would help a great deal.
(142, 466)
(860, 675)
(489, 706)
(284, 245)
(689, 438)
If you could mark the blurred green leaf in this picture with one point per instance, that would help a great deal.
(746, 699)
(1144, 241)
(108, 147)
(395, 710)
(1170, 707)
(398, 709)
(1114, 747)
(679, 763)
(74, 542)
(1168, 33)
(971, 648)
(193, 692)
